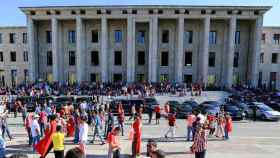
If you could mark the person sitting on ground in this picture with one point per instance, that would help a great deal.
(158, 154)
(75, 153)
(151, 147)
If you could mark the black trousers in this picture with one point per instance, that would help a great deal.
(59, 154)
(200, 154)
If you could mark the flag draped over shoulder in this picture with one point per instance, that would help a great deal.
(44, 146)
(137, 127)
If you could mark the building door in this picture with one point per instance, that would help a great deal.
(117, 77)
(14, 77)
(72, 78)
(188, 79)
(273, 79)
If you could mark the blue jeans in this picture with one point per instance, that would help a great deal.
(5, 129)
(76, 136)
(226, 134)
(189, 133)
(35, 140)
(42, 129)
(2, 153)
(97, 131)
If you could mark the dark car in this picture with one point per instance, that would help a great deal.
(126, 104)
(235, 112)
(213, 103)
(150, 102)
(274, 106)
(174, 105)
(209, 109)
(184, 110)
(191, 103)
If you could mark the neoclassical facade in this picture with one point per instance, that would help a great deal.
(218, 45)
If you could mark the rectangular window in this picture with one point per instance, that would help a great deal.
(189, 37)
(94, 58)
(237, 37)
(13, 77)
(49, 58)
(165, 36)
(118, 36)
(260, 79)
(163, 78)
(118, 58)
(117, 77)
(188, 78)
(212, 56)
(72, 58)
(213, 37)
(273, 79)
(188, 59)
(1, 57)
(12, 37)
(49, 36)
(72, 36)
(274, 58)
(0, 38)
(262, 58)
(26, 75)
(164, 58)
(276, 39)
(141, 57)
(263, 37)
(141, 37)
(25, 56)
(236, 59)
(13, 56)
(140, 77)
(92, 77)
(94, 36)
(24, 38)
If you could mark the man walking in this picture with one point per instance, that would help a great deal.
(35, 130)
(171, 123)
(190, 120)
(97, 128)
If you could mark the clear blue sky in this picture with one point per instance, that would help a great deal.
(12, 16)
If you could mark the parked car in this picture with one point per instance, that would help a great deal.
(191, 103)
(263, 111)
(150, 102)
(126, 103)
(244, 107)
(235, 112)
(174, 105)
(213, 103)
(274, 105)
(209, 109)
(184, 110)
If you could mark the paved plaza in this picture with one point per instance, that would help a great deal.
(249, 139)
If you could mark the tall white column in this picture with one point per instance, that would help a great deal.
(153, 48)
(31, 49)
(104, 51)
(205, 51)
(55, 50)
(230, 52)
(130, 58)
(81, 54)
(180, 51)
(256, 52)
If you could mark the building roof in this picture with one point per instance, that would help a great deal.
(265, 8)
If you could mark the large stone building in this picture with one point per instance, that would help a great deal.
(219, 45)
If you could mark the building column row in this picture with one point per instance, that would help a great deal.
(33, 72)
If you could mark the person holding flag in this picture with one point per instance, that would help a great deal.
(136, 142)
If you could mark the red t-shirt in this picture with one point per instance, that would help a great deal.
(112, 139)
(157, 109)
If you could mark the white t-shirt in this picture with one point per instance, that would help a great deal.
(83, 106)
(83, 132)
(34, 126)
(202, 118)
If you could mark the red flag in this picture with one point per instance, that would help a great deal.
(137, 127)
(43, 146)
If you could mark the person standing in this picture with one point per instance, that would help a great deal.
(150, 114)
(200, 142)
(97, 128)
(58, 142)
(114, 143)
(220, 126)
(136, 142)
(43, 118)
(121, 117)
(228, 126)
(190, 120)
(109, 122)
(172, 124)
(4, 124)
(133, 112)
(157, 111)
(35, 130)
(83, 133)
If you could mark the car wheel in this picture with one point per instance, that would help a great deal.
(263, 117)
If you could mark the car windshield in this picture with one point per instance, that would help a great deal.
(211, 107)
(265, 108)
(231, 108)
(185, 107)
(190, 103)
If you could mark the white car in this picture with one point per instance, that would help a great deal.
(263, 111)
